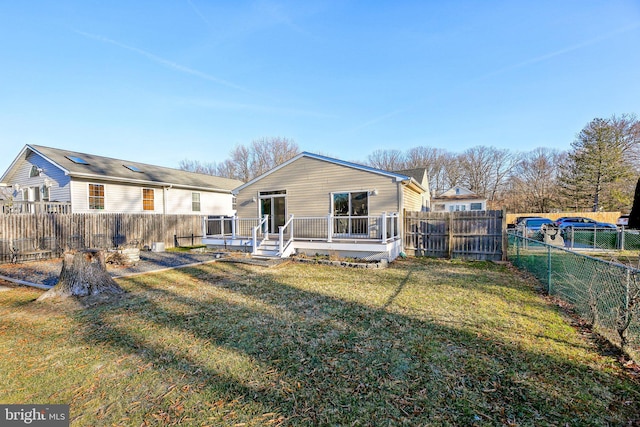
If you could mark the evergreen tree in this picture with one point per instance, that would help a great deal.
(596, 162)
(634, 216)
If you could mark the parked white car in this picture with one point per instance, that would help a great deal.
(623, 221)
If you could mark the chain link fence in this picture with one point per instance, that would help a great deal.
(590, 237)
(605, 294)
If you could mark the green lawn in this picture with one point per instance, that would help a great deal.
(425, 342)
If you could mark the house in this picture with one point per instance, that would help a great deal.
(315, 204)
(68, 181)
(420, 176)
(458, 199)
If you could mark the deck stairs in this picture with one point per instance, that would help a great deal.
(268, 249)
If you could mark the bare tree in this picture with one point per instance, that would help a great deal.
(389, 160)
(241, 158)
(198, 167)
(435, 161)
(534, 181)
(476, 166)
(248, 162)
(267, 153)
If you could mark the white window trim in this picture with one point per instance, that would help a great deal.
(332, 207)
(104, 186)
(199, 201)
(142, 199)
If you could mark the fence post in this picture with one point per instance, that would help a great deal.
(621, 235)
(549, 269)
(518, 238)
(175, 240)
(573, 237)
(450, 240)
(595, 237)
(623, 336)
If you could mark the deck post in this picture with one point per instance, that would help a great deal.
(383, 218)
(234, 218)
(204, 226)
(254, 243)
(329, 227)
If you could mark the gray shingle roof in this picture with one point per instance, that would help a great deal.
(115, 169)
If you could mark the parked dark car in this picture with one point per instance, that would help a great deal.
(581, 222)
(531, 227)
(519, 219)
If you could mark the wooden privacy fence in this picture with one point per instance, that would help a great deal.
(472, 235)
(55, 232)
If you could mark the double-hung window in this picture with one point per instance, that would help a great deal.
(96, 196)
(195, 202)
(148, 199)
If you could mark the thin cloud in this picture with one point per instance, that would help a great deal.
(560, 51)
(162, 61)
(197, 12)
(223, 105)
(516, 66)
(378, 119)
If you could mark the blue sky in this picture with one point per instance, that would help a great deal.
(165, 80)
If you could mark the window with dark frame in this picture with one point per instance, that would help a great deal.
(96, 196)
(148, 199)
(476, 206)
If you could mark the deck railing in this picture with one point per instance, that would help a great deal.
(383, 227)
(285, 230)
(261, 232)
(24, 207)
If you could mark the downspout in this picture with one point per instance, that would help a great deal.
(165, 192)
(401, 212)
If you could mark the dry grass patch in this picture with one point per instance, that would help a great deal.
(424, 342)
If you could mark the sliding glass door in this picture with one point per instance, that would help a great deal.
(273, 203)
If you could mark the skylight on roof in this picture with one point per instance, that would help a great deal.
(133, 168)
(78, 160)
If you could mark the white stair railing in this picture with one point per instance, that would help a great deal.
(282, 230)
(262, 226)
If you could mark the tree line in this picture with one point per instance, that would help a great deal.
(598, 172)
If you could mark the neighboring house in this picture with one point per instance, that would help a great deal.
(458, 199)
(94, 184)
(420, 176)
(317, 204)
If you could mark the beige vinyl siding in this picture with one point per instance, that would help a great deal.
(309, 184)
(412, 200)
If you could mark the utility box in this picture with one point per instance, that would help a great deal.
(157, 247)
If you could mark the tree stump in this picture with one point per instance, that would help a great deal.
(84, 273)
